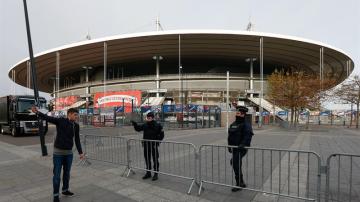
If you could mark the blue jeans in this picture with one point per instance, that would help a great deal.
(61, 161)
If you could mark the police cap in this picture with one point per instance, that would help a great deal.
(242, 109)
(150, 114)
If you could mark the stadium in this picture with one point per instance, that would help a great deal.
(172, 67)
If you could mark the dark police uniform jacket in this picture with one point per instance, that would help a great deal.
(240, 134)
(152, 130)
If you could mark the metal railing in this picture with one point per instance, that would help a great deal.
(342, 184)
(106, 148)
(162, 76)
(286, 173)
(280, 172)
(177, 159)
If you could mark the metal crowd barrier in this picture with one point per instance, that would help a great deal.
(177, 159)
(286, 173)
(341, 182)
(106, 148)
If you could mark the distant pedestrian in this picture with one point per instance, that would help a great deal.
(66, 131)
(240, 135)
(152, 131)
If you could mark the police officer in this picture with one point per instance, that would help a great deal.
(152, 131)
(239, 135)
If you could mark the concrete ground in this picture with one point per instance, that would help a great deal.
(26, 176)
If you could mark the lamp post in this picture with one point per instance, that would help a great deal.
(34, 81)
(53, 79)
(181, 96)
(251, 86)
(157, 79)
(87, 90)
(261, 80)
(87, 78)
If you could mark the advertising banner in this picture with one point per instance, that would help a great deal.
(168, 108)
(193, 108)
(145, 109)
(62, 102)
(118, 99)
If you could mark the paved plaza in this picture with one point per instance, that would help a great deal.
(26, 176)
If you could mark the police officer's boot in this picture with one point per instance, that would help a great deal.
(155, 177)
(242, 183)
(147, 175)
(235, 189)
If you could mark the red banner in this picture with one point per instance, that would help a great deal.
(118, 99)
(62, 102)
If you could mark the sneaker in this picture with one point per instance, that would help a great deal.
(67, 193)
(56, 199)
(146, 176)
(155, 177)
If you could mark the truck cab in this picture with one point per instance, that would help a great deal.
(16, 117)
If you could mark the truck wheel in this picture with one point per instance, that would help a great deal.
(14, 132)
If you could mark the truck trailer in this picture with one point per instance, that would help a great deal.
(16, 117)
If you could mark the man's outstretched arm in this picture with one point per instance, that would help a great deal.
(44, 116)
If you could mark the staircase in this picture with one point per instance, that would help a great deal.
(75, 105)
(153, 101)
(269, 107)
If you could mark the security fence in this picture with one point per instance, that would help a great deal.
(342, 179)
(285, 173)
(171, 116)
(289, 173)
(106, 148)
(328, 119)
(176, 159)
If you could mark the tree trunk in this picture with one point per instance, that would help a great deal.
(357, 108)
(274, 113)
(308, 120)
(351, 115)
(357, 114)
(292, 117)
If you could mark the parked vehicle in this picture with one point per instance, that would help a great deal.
(16, 117)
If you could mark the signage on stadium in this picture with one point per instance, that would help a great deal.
(117, 99)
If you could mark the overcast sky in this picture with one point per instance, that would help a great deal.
(55, 23)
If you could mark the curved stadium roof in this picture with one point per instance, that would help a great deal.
(279, 51)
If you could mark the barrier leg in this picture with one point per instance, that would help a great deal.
(192, 183)
(200, 188)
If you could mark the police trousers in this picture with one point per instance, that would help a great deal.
(151, 150)
(236, 161)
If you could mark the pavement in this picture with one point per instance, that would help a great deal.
(26, 176)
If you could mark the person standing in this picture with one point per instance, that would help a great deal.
(151, 131)
(66, 131)
(239, 135)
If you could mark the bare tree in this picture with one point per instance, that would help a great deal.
(349, 92)
(296, 90)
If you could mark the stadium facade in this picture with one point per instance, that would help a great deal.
(179, 66)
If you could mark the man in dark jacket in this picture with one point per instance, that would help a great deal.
(152, 131)
(240, 135)
(66, 131)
